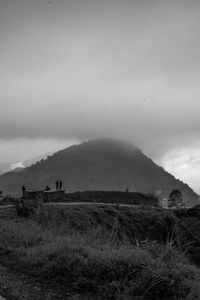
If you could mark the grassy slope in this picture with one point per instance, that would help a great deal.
(101, 253)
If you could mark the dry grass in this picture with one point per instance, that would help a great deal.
(92, 253)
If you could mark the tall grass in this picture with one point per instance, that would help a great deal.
(98, 253)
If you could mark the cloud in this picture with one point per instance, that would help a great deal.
(17, 165)
(87, 69)
(17, 150)
(184, 163)
(63, 77)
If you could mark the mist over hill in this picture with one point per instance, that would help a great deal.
(20, 165)
(102, 164)
(4, 167)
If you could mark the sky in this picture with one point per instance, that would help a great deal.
(72, 70)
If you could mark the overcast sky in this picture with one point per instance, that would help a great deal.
(72, 70)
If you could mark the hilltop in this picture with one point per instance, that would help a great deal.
(102, 164)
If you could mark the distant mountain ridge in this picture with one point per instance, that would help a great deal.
(102, 164)
(20, 165)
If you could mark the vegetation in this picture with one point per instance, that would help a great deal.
(175, 199)
(113, 197)
(99, 252)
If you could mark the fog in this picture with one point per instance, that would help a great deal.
(75, 70)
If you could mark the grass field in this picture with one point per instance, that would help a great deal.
(104, 252)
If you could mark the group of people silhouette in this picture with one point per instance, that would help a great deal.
(58, 184)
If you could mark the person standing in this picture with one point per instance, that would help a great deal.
(60, 185)
(23, 190)
(57, 184)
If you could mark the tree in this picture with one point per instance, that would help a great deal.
(175, 199)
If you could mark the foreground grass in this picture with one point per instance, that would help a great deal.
(100, 253)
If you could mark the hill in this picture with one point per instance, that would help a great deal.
(102, 164)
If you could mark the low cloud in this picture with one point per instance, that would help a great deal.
(184, 163)
(76, 70)
(14, 151)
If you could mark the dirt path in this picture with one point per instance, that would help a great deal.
(77, 203)
(89, 203)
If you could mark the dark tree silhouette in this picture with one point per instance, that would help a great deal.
(175, 199)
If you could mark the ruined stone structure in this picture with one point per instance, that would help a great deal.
(45, 195)
(53, 195)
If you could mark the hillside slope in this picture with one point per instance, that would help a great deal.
(20, 165)
(98, 165)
